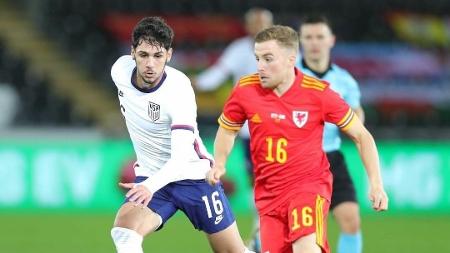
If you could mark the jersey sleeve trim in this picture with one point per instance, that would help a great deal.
(347, 120)
(228, 124)
(201, 155)
(249, 79)
(309, 82)
(182, 127)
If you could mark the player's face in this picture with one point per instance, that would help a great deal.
(316, 41)
(257, 22)
(150, 61)
(274, 63)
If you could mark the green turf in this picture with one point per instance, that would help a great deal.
(56, 233)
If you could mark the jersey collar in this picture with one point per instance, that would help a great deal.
(318, 74)
(149, 90)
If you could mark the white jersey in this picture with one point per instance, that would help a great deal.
(151, 116)
(237, 60)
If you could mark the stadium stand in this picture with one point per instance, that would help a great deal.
(85, 34)
(53, 89)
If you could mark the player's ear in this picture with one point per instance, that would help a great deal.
(133, 53)
(169, 54)
(292, 57)
(333, 40)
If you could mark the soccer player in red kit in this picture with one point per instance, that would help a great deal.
(286, 111)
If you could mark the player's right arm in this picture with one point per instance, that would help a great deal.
(230, 121)
(211, 78)
(222, 147)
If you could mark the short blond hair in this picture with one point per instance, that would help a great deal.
(284, 35)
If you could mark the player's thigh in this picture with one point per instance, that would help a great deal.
(306, 244)
(307, 214)
(138, 218)
(206, 206)
(273, 234)
(208, 209)
(347, 216)
(145, 220)
(227, 240)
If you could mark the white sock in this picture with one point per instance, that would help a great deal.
(248, 251)
(127, 240)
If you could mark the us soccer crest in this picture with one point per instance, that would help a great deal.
(153, 111)
(300, 118)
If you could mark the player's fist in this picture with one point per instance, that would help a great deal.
(137, 193)
(379, 198)
(213, 176)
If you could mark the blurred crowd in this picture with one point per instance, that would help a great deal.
(405, 80)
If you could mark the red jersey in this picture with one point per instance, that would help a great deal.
(286, 135)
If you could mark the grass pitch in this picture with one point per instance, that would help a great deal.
(85, 233)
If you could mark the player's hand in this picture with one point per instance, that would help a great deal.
(137, 193)
(213, 175)
(379, 199)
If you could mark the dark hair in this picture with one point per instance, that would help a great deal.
(153, 30)
(284, 35)
(316, 19)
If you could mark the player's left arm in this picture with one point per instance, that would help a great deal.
(369, 155)
(359, 111)
(183, 114)
(337, 111)
(181, 141)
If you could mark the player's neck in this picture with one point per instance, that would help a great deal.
(140, 83)
(144, 85)
(285, 85)
(319, 66)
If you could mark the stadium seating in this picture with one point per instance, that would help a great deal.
(82, 34)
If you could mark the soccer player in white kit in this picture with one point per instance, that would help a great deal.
(238, 60)
(159, 108)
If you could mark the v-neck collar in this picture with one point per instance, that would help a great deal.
(316, 73)
(148, 90)
(296, 82)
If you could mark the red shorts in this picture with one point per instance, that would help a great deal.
(303, 215)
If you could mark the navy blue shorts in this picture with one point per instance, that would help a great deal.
(206, 206)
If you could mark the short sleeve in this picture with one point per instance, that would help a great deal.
(115, 70)
(121, 69)
(183, 109)
(353, 96)
(336, 110)
(233, 116)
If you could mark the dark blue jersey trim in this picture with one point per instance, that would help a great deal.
(148, 90)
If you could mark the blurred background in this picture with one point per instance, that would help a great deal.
(64, 146)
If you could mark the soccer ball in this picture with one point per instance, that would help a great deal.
(127, 172)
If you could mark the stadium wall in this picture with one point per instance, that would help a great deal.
(82, 175)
